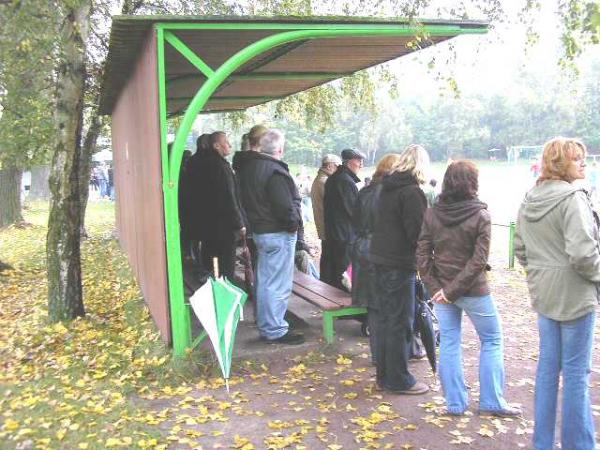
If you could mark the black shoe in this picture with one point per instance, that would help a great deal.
(289, 338)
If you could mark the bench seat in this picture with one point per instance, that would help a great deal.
(333, 302)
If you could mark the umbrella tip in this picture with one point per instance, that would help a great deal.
(227, 385)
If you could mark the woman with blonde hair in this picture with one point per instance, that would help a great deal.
(557, 244)
(363, 275)
(249, 147)
(398, 220)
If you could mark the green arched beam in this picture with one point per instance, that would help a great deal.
(180, 314)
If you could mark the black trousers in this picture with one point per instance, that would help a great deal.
(224, 250)
(395, 300)
(324, 269)
(335, 259)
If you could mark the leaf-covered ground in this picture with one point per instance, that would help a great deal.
(108, 382)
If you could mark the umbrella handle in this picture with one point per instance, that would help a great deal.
(216, 267)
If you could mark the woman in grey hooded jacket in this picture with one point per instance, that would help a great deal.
(557, 245)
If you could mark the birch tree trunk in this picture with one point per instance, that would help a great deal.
(10, 195)
(65, 301)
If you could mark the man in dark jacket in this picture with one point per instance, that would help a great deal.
(189, 213)
(272, 206)
(218, 205)
(341, 195)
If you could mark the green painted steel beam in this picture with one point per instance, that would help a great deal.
(179, 311)
(189, 54)
(511, 245)
(257, 48)
(438, 29)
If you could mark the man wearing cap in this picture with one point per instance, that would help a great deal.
(341, 195)
(329, 165)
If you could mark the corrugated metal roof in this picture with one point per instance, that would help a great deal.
(306, 63)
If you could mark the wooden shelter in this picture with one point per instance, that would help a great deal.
(164, 66)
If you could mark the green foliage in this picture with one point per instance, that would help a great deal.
(448, 126)
(28, 57)
(588, 110)
(27, 61)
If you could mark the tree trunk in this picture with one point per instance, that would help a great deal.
(40, 189)
(10, 195)
(65, 300)
(85, 167)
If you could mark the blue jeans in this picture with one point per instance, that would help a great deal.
(103, 188)
(484, 316)
(395, 300)
(564, 347)
(274, 278)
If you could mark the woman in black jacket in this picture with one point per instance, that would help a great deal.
(400, 211)
(363, 274)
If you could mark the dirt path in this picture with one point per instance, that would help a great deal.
(322, 400)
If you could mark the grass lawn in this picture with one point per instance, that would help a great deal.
(84, 384)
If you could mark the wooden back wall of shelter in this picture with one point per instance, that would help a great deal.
(138, 173)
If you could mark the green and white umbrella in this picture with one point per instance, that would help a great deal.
(218, 304)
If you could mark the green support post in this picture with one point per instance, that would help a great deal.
(181, 330)
(511, 245)
(329, 318)
(180, 313)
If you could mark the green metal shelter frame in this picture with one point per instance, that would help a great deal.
(281, 33)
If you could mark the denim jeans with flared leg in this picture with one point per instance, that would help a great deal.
(564, 347)
(484, 316)
(274, 278)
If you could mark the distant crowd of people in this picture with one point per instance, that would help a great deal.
(397, 228)
(102, 180)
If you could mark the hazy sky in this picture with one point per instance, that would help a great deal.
(491, 62)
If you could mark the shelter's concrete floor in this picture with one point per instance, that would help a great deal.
(303, 318)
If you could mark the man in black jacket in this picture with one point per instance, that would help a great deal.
(341, 195)
(189, 214)
(218, 205)
(272, 206)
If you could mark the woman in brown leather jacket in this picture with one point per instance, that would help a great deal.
(452, 254)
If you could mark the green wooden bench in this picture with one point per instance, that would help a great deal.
(333, 302)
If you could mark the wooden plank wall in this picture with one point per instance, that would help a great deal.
(138, 185)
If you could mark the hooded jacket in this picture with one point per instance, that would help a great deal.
(400, 210)
(453, 249)
(556, 242)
